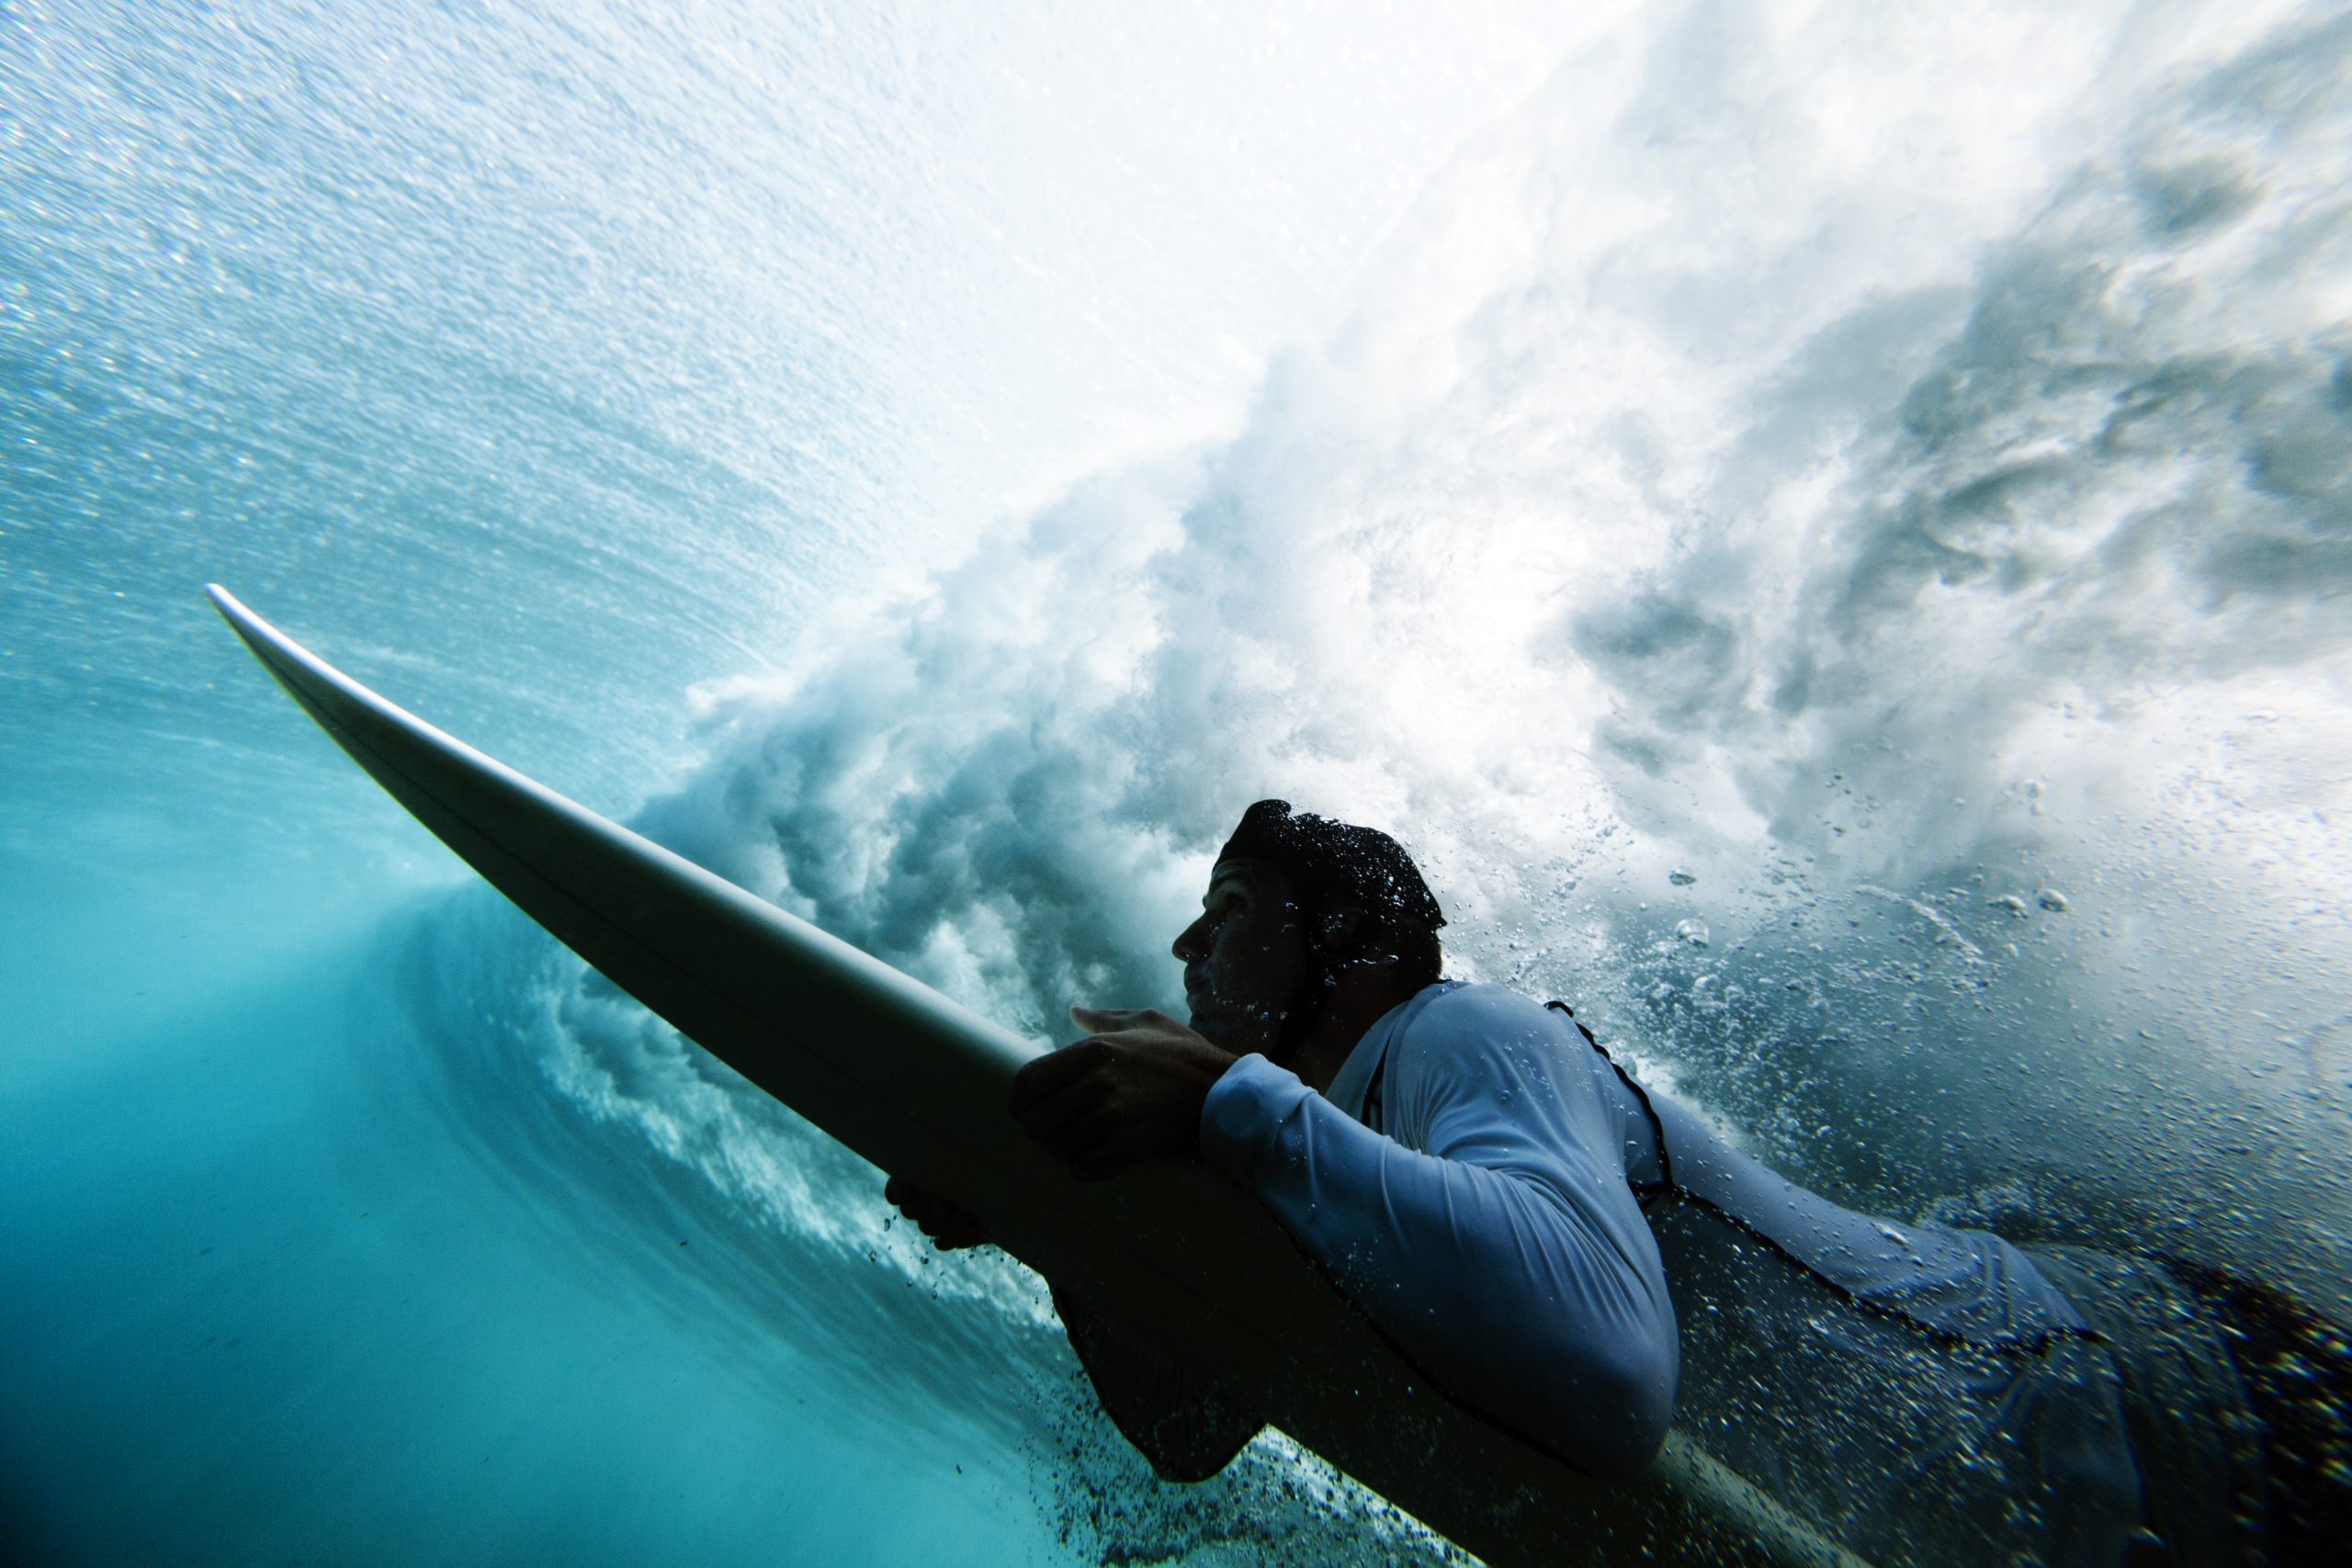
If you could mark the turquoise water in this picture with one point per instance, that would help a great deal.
(1830, 534)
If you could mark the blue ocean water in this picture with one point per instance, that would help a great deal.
(1829, 533)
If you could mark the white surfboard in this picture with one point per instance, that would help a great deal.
(1178, 1255)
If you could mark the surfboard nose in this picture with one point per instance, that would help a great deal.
(272, 647)
(350, 713)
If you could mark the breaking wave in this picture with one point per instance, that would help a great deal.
(1894, 681)
(1828, 532)
(1900, 686)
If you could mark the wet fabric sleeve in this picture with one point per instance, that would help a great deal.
(1505, 1256)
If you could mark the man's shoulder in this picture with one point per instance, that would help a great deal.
(1517, 1068)
(1473, 1027)
(1481, 1006)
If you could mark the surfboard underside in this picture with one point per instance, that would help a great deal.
(917, 1084)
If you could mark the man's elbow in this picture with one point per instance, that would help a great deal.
(1611, 1418)
(1647, 1391)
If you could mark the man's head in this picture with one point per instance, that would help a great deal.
(1299, 909)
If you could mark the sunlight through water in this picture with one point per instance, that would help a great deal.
(1827, 528)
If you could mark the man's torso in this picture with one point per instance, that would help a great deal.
(1922, 1394)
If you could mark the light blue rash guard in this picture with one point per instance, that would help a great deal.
(1492, 1232)
(1509, 1209)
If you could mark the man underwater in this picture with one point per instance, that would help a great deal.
(1585, 1262)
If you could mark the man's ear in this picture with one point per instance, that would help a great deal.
(1342, 931)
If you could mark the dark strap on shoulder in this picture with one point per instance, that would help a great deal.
(1375, 1111)
(1642, 1189)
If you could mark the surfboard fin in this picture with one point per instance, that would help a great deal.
(1187, 1433)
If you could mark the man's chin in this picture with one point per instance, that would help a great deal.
(1242, 1033)
(1215, 1027)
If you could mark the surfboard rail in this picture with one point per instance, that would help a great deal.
(917, 1085)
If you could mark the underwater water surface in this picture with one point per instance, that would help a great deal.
(1829, 533)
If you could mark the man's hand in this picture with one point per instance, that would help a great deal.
(1131, 1091)
(951, 1226)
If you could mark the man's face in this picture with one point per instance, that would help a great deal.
(1246, 958)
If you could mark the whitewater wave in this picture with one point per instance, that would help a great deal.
(1965, 625)
(1873, 632)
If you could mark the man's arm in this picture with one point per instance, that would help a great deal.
(1504, 1252)
(1507, 1257)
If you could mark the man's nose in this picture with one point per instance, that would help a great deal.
(1188, 945)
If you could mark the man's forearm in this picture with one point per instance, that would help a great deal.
(1501, 1289)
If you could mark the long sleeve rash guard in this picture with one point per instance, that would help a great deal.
(1483, 1220)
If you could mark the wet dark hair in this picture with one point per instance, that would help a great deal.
(1340, 864)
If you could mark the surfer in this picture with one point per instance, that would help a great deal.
(1582, 1261)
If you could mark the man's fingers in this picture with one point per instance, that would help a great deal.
(910, 1199)
(949, 1224)
(1065, 1121)
(954, 1235)
(1083, 1140)
(1105, 1021)
(1045, 1119)
(1050, 1074)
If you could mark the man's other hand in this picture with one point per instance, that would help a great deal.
(1130, 1090)
(950, 1227)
